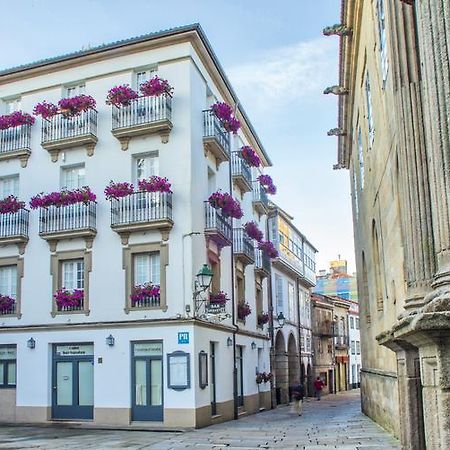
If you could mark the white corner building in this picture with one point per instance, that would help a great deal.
(170, 360)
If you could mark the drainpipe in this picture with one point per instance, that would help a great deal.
(300, 338)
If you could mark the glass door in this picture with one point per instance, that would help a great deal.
(73, 381)
(240, 375)
(147, 382)
(212, 388)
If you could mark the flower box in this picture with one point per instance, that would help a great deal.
(69, 300)
(243, 310)
(267, 183)
(253, 231)
(146, 296)
(263, 318)
(269, 249)
(7, 305)
(227, 204)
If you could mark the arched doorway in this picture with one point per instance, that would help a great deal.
(281, 369)
(293, 362)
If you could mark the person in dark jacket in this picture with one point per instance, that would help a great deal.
(318, 386)
(298, 393)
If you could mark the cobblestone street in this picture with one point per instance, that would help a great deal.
(334, 422)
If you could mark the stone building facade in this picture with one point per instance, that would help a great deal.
(394, 138)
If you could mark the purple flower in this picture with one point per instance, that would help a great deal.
(70, 107)
(10, 205)
(156, 86)
(243, 310)
(16, 119)
(253, 231)
(224, 201)
(6, 303)
(263, 318)
(46, 110)
(69, 299)
(224, 113)
(144, 292)
(220, 298)
(250, 157)
(121, 95)
(269, 249)
(118, 190)
(155, 184)
(63, 198)
(267, 183)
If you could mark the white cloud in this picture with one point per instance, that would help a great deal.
(286, 73)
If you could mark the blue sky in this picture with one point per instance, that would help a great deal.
(276, 58)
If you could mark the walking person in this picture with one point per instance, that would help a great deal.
(318, 386)
(298, 393)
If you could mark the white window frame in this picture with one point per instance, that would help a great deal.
(361, 158)
(9, 185)
(358, 347)
(291, 301)
(72, 90)
(279, 294)
(80, 179)
(72, 274)
(12, 105)
(352, 322)
(353, 347)
(151, 166)
(146, 268)
(369, 106)
(381, 12)
(143, 75)
(8, 281)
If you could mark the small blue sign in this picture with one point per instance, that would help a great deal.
(183, 337)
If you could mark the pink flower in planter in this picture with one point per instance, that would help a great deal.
(269, 249)
(250, 157)
(267, 183)
(156, 86)
(253, 231)
(224, 201)
(69, 299)
(6, 303)
(144, 292)
(121, 95)
(155, 184)
(63, 198)
(243, 310)
(70, 107)
(118, 190)
(10, 205)
(219, 298)
(263, 318)
(46, 110)
(16, 119)
(225, 114)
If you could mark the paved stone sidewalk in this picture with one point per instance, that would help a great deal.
(333, 423)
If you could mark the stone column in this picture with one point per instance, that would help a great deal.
(282, 375)
(414, 194)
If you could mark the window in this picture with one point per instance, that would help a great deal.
(259, 300)
(382, 36)
(308, 343)
(7, 366)
(352, 346)
(73, 177)
(8, 281)
(12, 105)
(147, 268)
(291, 301)
(72, 272)
(358, 348)
(357, 323)
(144, 75)
(352, 322)
(145, 167)
(279, 293)
(9, 186)
(370, 125)
(76, 89)
(355, 195)
(361, 158)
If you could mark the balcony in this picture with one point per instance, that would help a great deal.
(262, 264)
(260, 199)
(217, 227)
(13, 311)
(144, 115)
(61, 133)
(325, 329)
(14, 228)
(241, 172)
(16, 143)
(244, 251)
(68, 222)
(141, 212)
(341, 342)
(216, 140)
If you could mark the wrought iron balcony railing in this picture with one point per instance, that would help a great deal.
(341, 341)
(241, 172)
(9, 312)
(14, 141)
(243, 247)
(260, 198)
(14, 226)
(144, 115)
(60, 132)
(215, 138)
(63, 309)
(80, 217)
(153, 301)
(262, 263)
(218, 227)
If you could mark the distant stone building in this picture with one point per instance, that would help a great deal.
(394, 135)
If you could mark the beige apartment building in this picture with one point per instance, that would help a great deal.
(393, 136)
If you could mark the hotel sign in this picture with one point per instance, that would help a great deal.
(75, 350)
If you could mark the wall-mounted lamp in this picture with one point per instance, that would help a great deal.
(229, 342)
(281, 320)
(253, 345)
(31, 343)
(110, 340)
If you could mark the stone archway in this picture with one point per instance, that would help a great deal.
(281, 369)
(293, 361)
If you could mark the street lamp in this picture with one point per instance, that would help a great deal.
(204, 278)
(280, 319)
(110, 340)
(31, 343)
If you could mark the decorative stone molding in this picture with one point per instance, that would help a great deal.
(336, 90)
(336, 132)
(338, 29)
